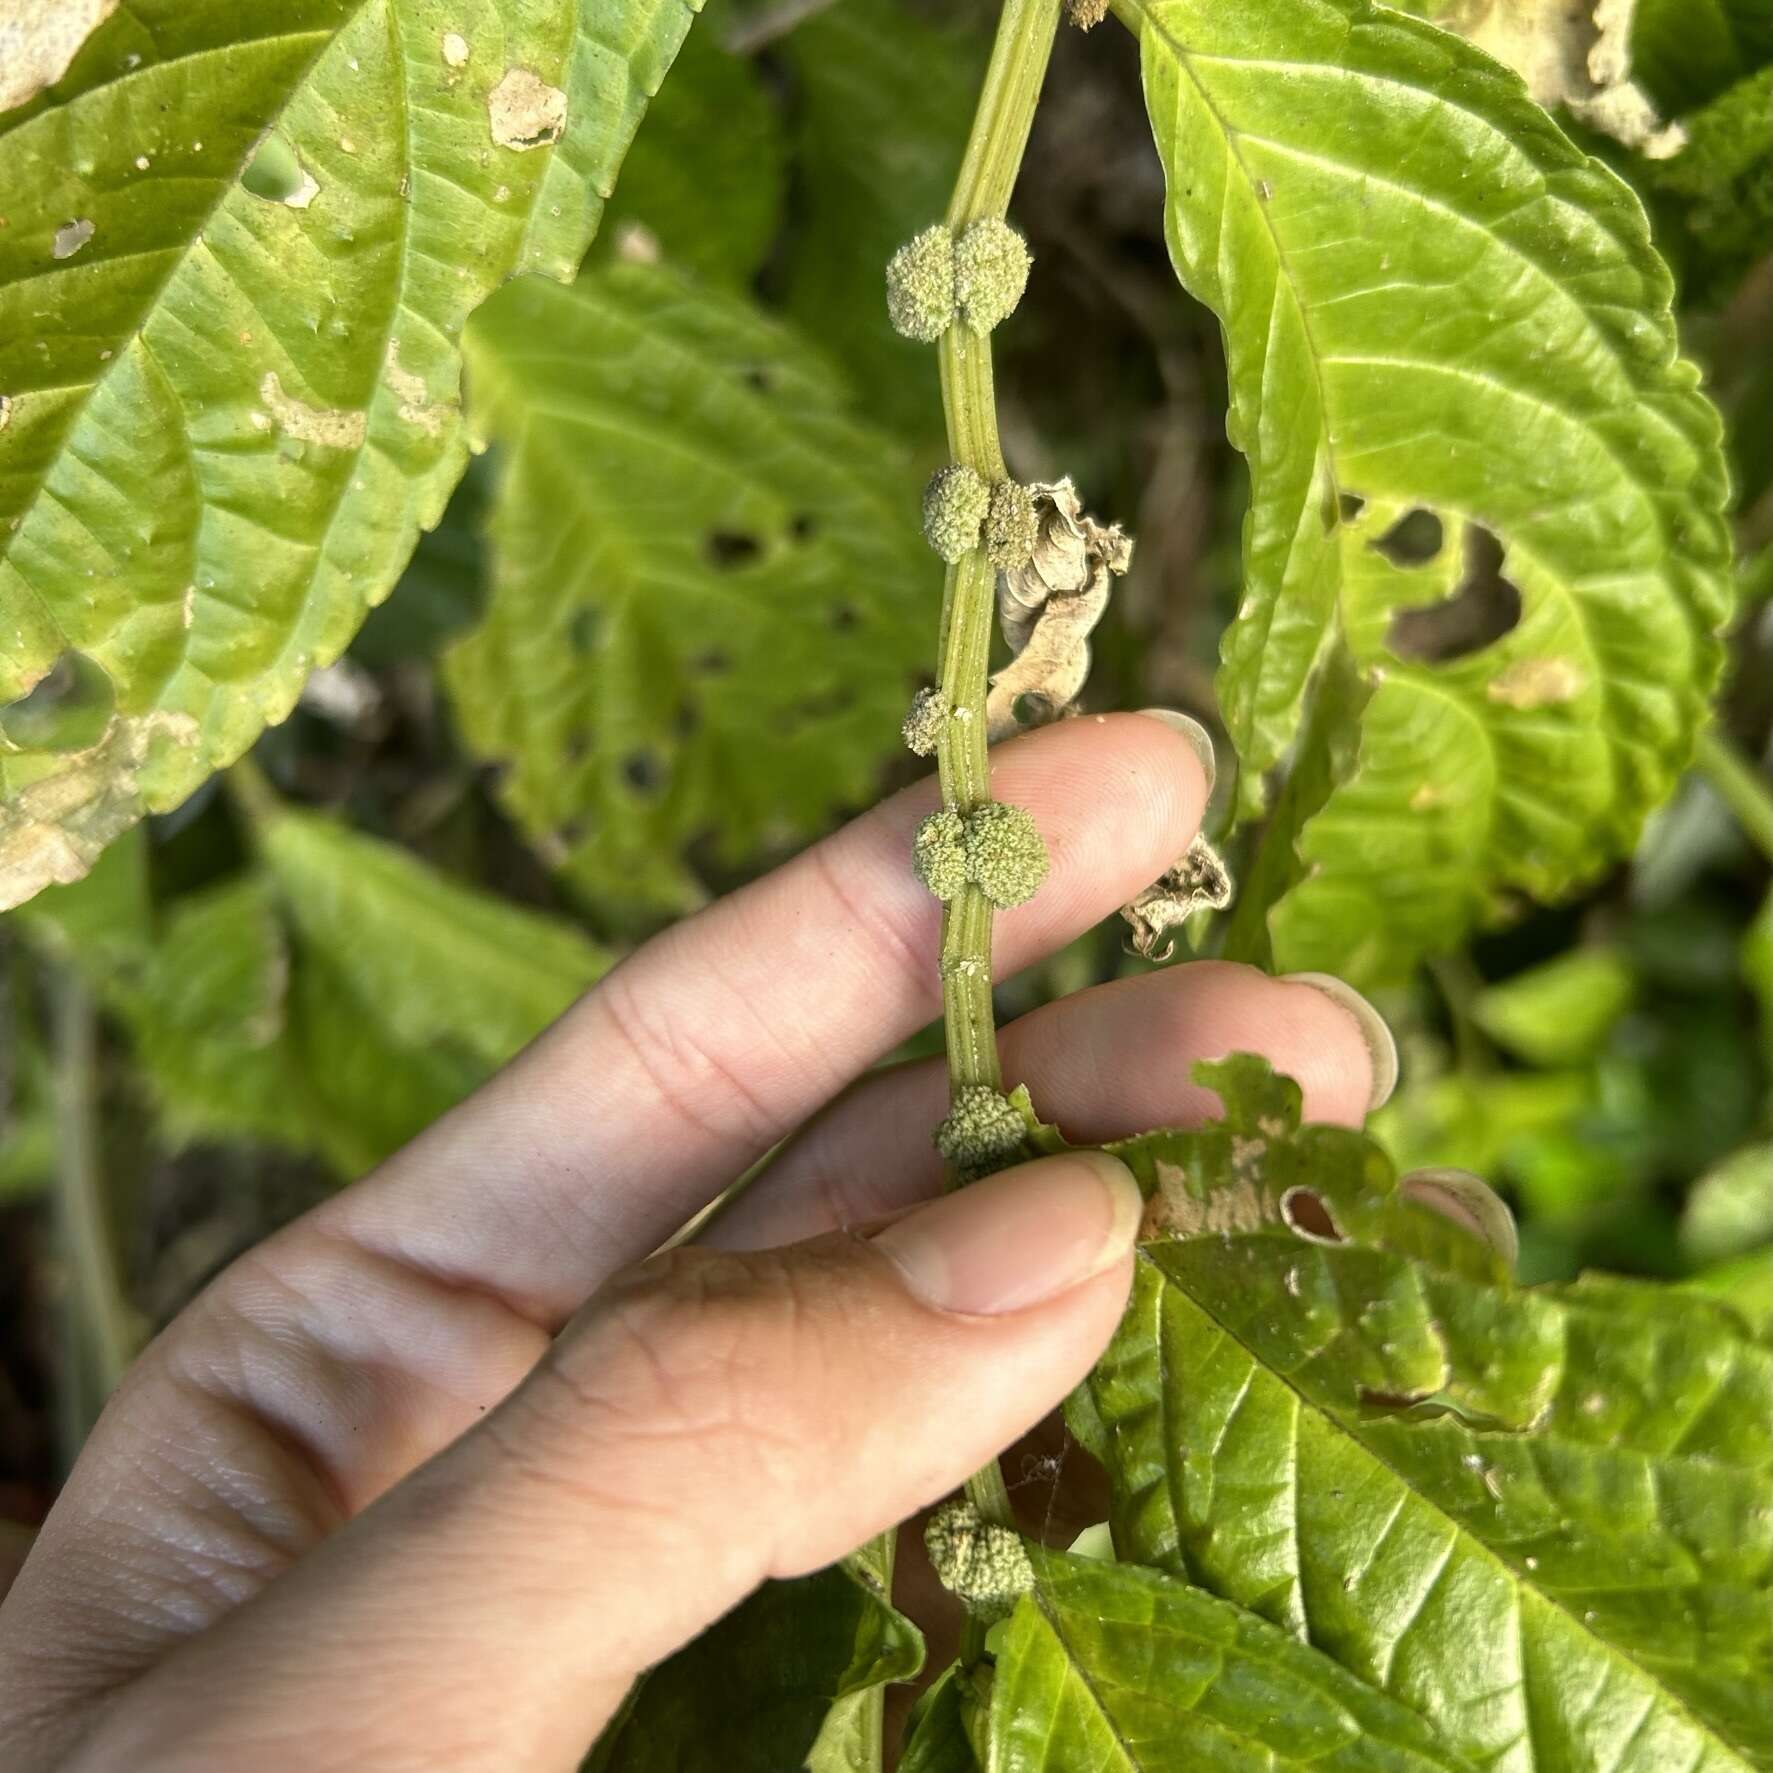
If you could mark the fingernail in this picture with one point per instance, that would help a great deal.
(1469, 1201)
(1019, 1238)
(1196, 734)
(1381, 1048)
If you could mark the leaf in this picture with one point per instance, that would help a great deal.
(710, 602)
(713, 214)
(435, 966)
(1537, 1516)
(1730, 1208)
(1688, 51)
(1561, 1011)
(1123, 1670)
(883, 102)
(752, 1693)
(1480, 474)
(240, 243)
(936, 1736)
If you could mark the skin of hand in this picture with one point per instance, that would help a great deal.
(425, 1479)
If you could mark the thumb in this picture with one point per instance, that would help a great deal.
(708, 1420)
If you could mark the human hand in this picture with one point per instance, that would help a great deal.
(429, 1476)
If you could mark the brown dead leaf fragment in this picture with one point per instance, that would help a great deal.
(1200, 881)
(1047, 608)
(1575, 53)
(39, 40)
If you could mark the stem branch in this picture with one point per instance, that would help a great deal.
(103, 1326)
(988, 171)
(994, 150)
(1739, 785)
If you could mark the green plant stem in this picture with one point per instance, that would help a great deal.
(994, 150)
(988, 171)
(1739, 785)
(103, 1329)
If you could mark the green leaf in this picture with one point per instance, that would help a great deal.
(884, 97)
(1686, 52)
(336, 1000)
(241, 242)
(937, 1739)
(711, 213)
(710, 601)
(1560, 1012)
(1124, 1670)
(752, 1694)
(1730, 1208)
(1480, 473)
(436, 966)
(1539, 1517)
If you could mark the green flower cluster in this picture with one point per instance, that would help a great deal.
(981, 1563)
(996, 848)
(937, 278)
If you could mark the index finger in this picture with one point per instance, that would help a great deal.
(720, 1036)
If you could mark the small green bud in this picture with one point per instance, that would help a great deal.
(1005, 855)
(920, 285)
(990, 272)
(981, 1563)
(938, 853)
(923, 726)
(984, 1131)
(954, 507)
(1012, 525)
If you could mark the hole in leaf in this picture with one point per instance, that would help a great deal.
(1306, 1215)
(643, 771)
(759, 378)
(1352, 505)
(275, 174)
(843, 618)
(1484, 608)
(582, 629)
(730, 548)
(1414, 540)
(803, 527)
(67, 709)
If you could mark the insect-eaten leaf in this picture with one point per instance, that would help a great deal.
(709, 602)
(1328, 1403)
(1486, 564)
(239, 246)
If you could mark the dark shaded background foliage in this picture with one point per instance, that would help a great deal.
(1605, 1062)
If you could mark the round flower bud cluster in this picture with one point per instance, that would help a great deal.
(981, 1563)
(938, 853)
(990, 272)
(955, 504)
(984, 1131)
(997, 848)
(935, 279)
(1005, 855)
(922, 726)
(920, 285)
(1012, 526)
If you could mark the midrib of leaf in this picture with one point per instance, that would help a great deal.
(1075, 1671)
(1457, 1533)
